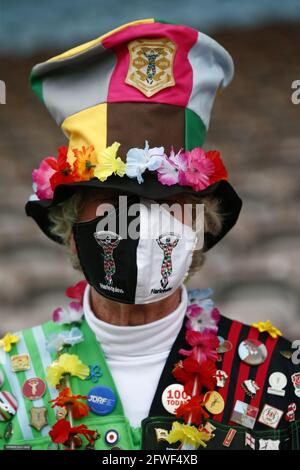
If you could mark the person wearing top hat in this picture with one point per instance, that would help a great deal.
(137, 361)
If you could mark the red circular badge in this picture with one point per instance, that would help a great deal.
(34, 388)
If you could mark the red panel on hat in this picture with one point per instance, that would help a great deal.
(184, 38)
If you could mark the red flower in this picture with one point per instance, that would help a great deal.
(193, 409)
(77, 291)
(220, 172)
(67, 399)
(62, 431)
(63, 170)
(187, 370)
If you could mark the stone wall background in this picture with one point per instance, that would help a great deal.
(255, 270)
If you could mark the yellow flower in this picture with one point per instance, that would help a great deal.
(267, 326)
(187, 434)
(109, 163)
(85, 162)
(7, 341)
(66, 364)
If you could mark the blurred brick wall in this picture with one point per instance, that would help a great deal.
(255, 270)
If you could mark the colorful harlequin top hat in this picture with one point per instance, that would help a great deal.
(135, 105)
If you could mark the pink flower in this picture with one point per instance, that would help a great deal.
(202, 319)
(204, 344)
(41, 178)
(170, 168)
(199, 170)
(72, 314)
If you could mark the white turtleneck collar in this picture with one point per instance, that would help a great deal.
(136, 355)
(142, 340)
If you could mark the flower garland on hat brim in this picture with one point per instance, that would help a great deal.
(196, 168)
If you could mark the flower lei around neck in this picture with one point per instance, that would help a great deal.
(62, 368)
(196, 371)
(196, 168)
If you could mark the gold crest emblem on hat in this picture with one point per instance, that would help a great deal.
(151, 65)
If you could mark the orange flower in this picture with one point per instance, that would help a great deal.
(85, 162)
(67, 399)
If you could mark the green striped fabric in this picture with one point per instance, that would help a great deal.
(33, 342)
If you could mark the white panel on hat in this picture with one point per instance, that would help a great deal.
(77, 83)
(212, 69)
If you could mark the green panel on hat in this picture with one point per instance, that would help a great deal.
(159, 20)
(195, 130)
(37, 86)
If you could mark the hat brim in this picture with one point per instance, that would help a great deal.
(229, 201)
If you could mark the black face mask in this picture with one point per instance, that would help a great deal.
(139, 269)
(108, 261)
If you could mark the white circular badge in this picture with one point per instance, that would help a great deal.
(173, 396)
(277, 380)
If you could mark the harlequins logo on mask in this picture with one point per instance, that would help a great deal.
(108, 242)
(167, 242)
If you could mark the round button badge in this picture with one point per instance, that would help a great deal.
(34, 388)
(8, 406)
(215, 403)
(224, 346)
(102, 400)
(173, 396)
(111, 437)
(252, 352)
(277, 380)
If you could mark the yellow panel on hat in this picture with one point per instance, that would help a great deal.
(88, 45)
(88, 127)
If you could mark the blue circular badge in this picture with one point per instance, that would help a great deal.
(101, 400)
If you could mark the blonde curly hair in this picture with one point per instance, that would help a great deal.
(65, 214)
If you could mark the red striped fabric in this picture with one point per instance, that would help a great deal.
(244, 371)
(233, 335)
(263, 370)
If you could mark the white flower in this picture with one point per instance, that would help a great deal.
(140, 160)
(72, 314)
(57, 341)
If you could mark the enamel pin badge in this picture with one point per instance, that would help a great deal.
(38, 417)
